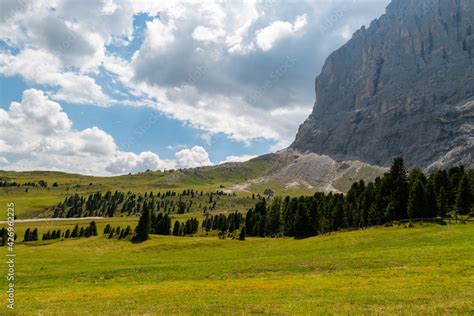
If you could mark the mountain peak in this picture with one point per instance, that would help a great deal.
(402, 87)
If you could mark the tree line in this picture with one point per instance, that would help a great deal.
(119, 232)
(397, 195)
(161, 225)
(76, 232)
(41, 183)
(109, 204)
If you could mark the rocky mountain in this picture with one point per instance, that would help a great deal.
(287, 171)
(402, 87)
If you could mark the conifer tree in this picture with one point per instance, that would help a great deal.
(107, 229)
(464, 196)
(143, 227)
(301, 227)
(417, 202)
(176, 229)
(75, 231)
(27, 235)
(93, 230)
(273, 222)
(442, 202)
(242, 233)
(34, 235)
(399, 188)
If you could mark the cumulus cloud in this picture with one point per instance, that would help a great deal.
(206, 34)
(242, 158)
(131, 162)
(159, 35)
(244, 65)
(242, 68)
(191, 158)
(278, 30)
(38, 66)
(36, 134)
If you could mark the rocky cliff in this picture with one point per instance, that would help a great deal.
(402, 87)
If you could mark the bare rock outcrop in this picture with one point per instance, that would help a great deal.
(402, 87)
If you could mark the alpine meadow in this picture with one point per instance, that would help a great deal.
(180, 158)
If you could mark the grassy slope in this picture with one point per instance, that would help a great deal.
(423, 270)
(37, 200)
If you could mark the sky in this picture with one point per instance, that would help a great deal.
(111, 87)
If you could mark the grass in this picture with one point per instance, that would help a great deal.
(421, 270)
(33, 202)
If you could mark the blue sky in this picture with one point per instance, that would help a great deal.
(111, 87)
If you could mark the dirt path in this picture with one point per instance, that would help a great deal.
(52, 219)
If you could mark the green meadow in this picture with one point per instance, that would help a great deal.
(422, 270)
(37, 201)
(427, 269)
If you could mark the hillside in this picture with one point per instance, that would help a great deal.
(285, 172)
(404, 86)
(422, 270)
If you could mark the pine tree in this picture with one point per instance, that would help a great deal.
(431, 202)
(107, 229)
(442, 202)
(464, 197)
(27, 235)
(34, 235)
(75, 231)
(242, 233)
(417, 201)
(398, 188)
(93, 230)
(143, 227)
(301, 221)
(273, 222)
(176, 228)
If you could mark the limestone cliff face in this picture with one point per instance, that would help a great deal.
(402, 87)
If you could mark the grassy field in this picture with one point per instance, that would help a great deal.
(34, 202)
(240, 177)
(421, 270)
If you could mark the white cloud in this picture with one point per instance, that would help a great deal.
(278, 30)
(159, 35)
(36, 134)
(191, 158)
(130, 162)
(206, 34)
(242, 158)
(215, 65)
(38, 66)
